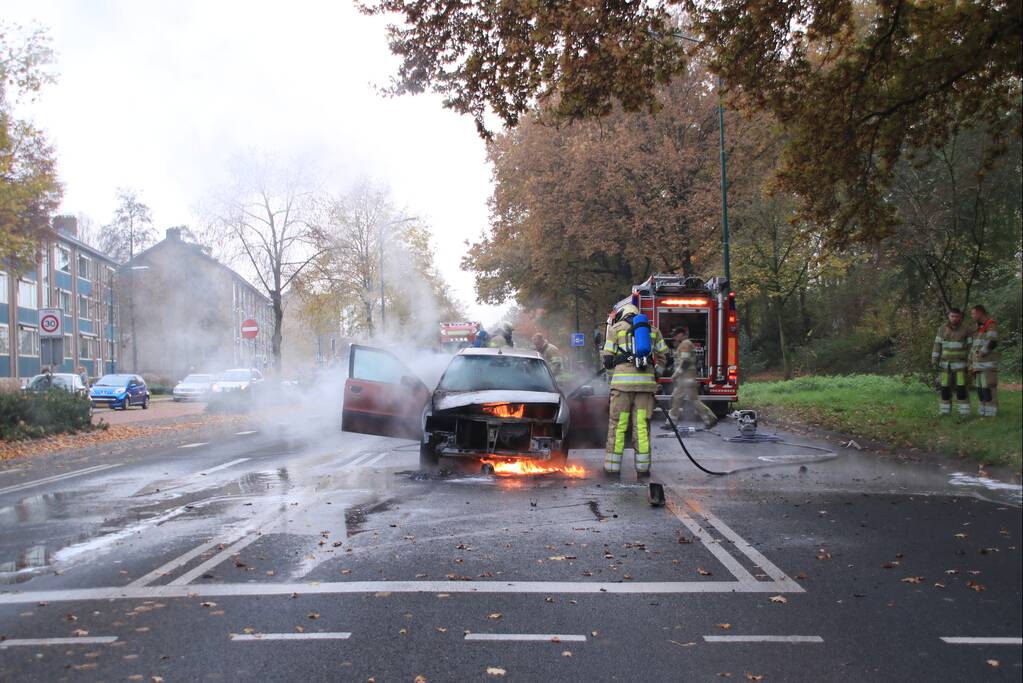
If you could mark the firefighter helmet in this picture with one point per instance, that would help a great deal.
(627, 311)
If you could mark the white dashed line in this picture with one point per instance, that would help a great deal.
(83, 640)
(957, 640)
(220, 467)
(55, 478)
(246, 432)
(357, 462)
(166, 569)
(526, 637)
(763, 639)
(194, 445)
(249, 637)
(376, 459)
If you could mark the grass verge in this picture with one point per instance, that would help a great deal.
(902, 414)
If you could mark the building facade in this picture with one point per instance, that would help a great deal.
(78, 279)
(182, 311)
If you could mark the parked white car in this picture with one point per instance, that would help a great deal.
(193, 388)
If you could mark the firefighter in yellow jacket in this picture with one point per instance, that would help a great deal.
(984, 357)
(687, 385)
(951, 344)
(632, 391)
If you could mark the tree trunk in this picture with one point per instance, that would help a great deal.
(785, 361)
(275, 339)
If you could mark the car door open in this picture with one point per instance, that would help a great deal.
(382, 396)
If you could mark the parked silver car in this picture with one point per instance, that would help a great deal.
(193, 388)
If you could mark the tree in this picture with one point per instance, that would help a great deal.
(581, 213)
(29, 189)
(378, 258)
(131, 229)
(854, 84)
(267, 219)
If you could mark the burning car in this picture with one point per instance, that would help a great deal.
(495, 405)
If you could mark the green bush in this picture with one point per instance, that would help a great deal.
(32, 415)
(858, 352)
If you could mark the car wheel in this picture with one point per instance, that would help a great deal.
(720, 409)
(126, 403)
(428, 458)
(145, 403)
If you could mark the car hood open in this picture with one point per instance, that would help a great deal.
(446, 401)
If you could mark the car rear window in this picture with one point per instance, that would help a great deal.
(113, 381)
(197, 379)
(482, 373)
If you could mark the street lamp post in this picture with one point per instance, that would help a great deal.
(724, 167)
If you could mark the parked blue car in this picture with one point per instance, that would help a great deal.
(120, 391)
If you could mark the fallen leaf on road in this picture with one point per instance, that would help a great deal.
(939, 585)
(801, 576)
(724, 627)
(420, 679)
(495, 615)
(702, 572)
(441, 629)
(561, 558)
(402, 631)
(79, 632)
(566, 653)
(753, 677)
(314, 615)
(217, 613)
(912, 579)
(780, 599)
(689, 644)
(248, 629)
(974, 586)
(382, 594)
(725, 674)
(70, 617)
(993, 663)
(495, 671)
(960, 535)
(135, 677)
(156, 679)
(207, 604)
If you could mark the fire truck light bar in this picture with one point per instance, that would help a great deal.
(682, 302)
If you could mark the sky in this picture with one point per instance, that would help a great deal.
(160, 96)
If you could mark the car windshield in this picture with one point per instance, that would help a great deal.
(113, 381)
(235, 376)
(197, 379)
(481, 373)
(44, 382)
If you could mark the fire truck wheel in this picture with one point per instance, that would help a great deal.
(720, 409)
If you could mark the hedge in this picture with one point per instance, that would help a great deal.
(32, 415)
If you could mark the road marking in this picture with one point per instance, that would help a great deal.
(763, 639)
(246, 432)
(55, 478)
(224, 554)
(173, 564)
(526, 637)
(194, 445)
(376, 459)
(83, 640)
(249, 637)
(957, 640)
(740, 544)
(220, 467)
(177, 589)
(737, 570)
(357, 461)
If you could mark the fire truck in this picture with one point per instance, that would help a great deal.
(455, 336)
(707, 308)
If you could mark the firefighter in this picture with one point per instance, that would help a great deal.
(686, 389)
(984, 356)
(502, 336)
(550, 353)
(949, 360)
(632, 391)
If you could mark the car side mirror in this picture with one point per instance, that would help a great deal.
(584, 391)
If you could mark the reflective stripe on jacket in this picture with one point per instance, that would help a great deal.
(985, 353)
(626, 376)
(951, 346)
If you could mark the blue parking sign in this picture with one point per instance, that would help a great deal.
(578, 339)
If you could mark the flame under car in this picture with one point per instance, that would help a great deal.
(490, 404)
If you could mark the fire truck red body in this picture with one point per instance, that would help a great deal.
(707, 308)
(455, 336)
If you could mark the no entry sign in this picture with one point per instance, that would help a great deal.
(250, 328)
(51, 323)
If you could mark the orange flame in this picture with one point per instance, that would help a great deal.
(531, 467)
(516, 410)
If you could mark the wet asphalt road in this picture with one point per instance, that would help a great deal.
(293, 552)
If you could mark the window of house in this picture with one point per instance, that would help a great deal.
(3, 288)
(64, 300)
(5, 340)
(27, 294)
(84, 267)
(69, 351)
(83, 307)
(63, 259)
(110, 350)
(86, 347)
(28, 341)
(46, 277)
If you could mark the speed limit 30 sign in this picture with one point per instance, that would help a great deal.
(51, 323)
